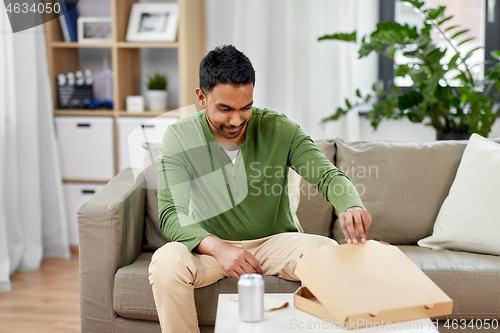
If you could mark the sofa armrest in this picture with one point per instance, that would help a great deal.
(110, 226)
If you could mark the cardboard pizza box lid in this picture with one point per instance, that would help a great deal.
(367, 283)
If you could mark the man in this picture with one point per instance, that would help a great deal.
(216, 169)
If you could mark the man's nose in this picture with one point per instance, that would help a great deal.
(235, 119)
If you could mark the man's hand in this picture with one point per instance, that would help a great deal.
(354, 223)
(234, 261)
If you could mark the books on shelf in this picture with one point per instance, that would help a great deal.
(68, 20)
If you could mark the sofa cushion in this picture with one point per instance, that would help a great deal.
(468, 219)
(401, 184)
(153, 237)
(315, 213)
(133, 295)
(470, 280)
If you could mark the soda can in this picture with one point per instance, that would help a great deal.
(251, 297)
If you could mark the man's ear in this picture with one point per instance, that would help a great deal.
(201, 98)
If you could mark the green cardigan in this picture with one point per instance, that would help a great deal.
(201, 192)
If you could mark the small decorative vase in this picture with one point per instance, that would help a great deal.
(157, 100)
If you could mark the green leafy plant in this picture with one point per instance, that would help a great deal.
(158, 82)
(463, 109)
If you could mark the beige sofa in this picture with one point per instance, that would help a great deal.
(402, 185)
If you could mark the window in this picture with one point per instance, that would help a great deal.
(481, 17)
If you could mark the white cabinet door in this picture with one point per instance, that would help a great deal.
(75, 194)
(86, 147)
(133, 132)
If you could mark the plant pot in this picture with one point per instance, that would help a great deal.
(157, 100)
(452, 136)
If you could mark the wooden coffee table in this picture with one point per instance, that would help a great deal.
(291, 319)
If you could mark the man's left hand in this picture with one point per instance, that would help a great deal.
(354, 223)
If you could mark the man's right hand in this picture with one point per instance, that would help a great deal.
(234, 261)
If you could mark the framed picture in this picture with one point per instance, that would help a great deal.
(153, 22)
(94, 29)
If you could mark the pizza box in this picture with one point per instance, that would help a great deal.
(366, 285)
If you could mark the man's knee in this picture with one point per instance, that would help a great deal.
(315, 241)
(169, 260)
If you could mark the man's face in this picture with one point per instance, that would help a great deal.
(228, 109)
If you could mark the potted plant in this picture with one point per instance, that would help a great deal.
(157, 92)
(455, 111)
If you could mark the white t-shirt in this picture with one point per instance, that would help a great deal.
(232, 154)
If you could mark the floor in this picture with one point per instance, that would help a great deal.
(44, 301)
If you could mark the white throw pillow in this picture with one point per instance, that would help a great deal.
(469, 219)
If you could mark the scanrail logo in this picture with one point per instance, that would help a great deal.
(26, 14)
(197, 176)
(382, 326)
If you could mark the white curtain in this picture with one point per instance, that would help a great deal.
(32, 216)
(295, 73)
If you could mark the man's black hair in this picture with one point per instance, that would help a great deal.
(225, 64)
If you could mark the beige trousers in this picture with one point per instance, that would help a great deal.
(174, 272)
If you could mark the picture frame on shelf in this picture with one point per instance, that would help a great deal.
(94, 29)
(153, 22)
